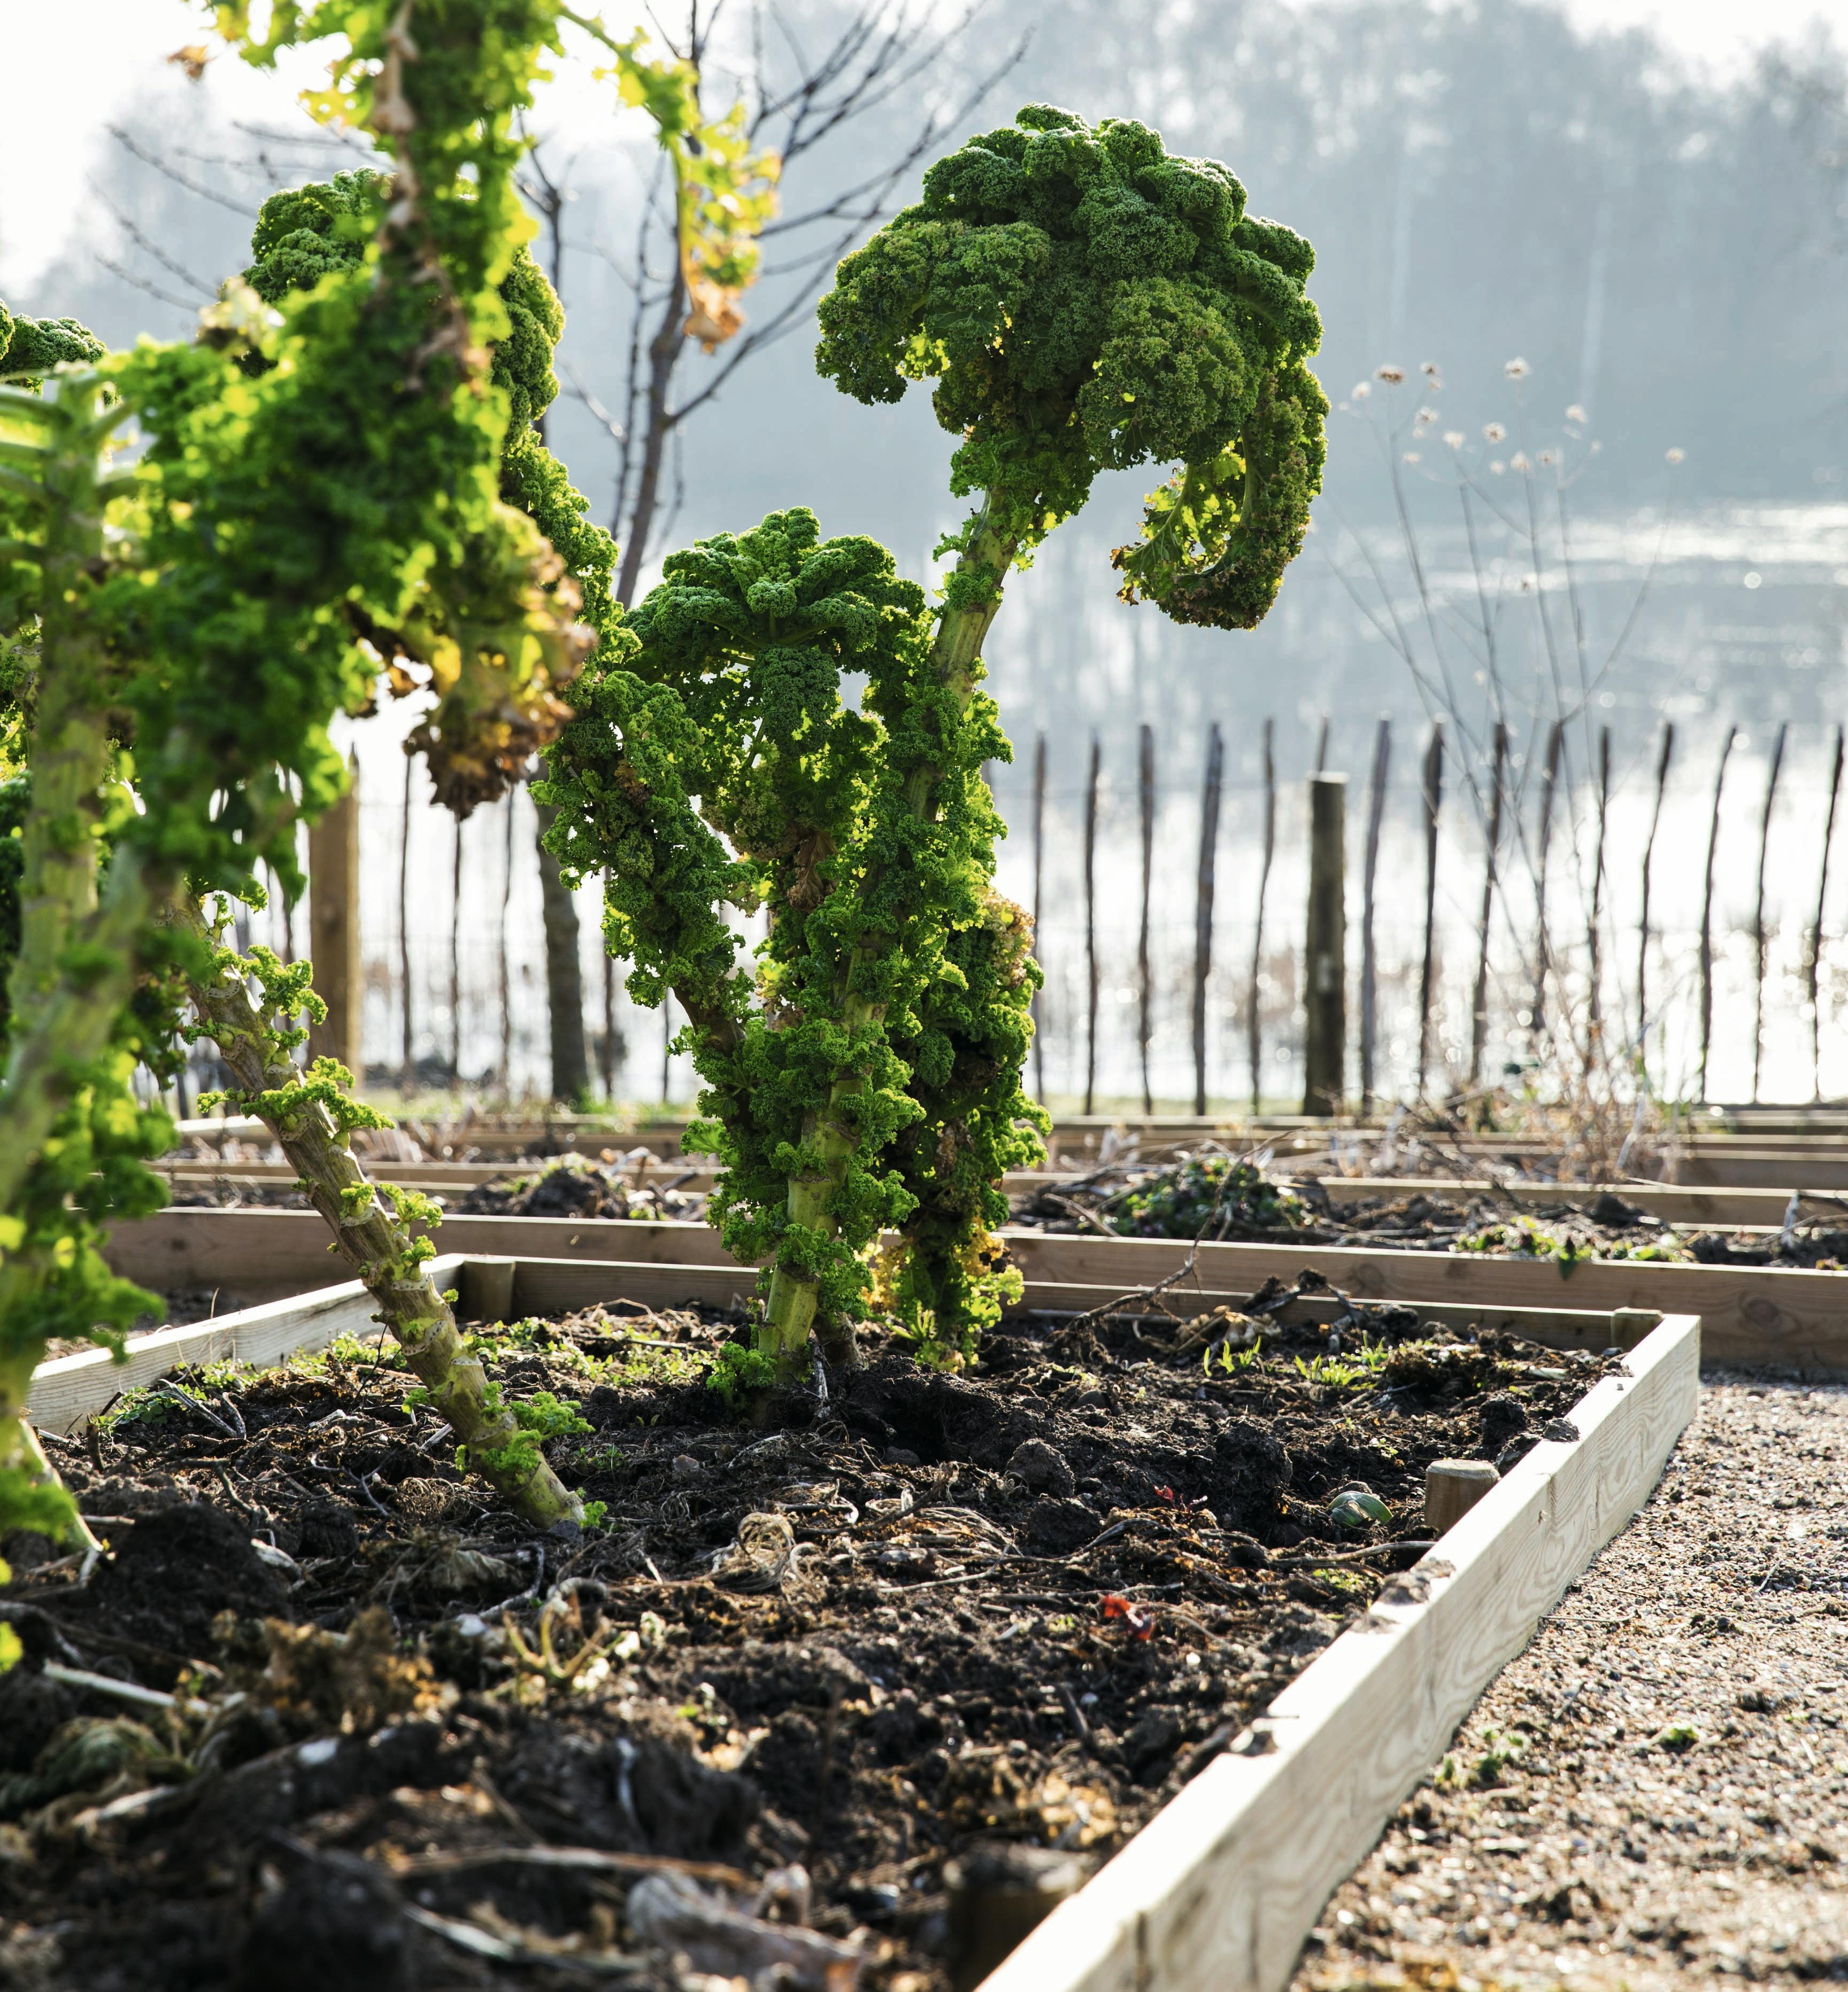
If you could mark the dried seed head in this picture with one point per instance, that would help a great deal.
(1392, 375)
(1515, 370)
(1493, 432)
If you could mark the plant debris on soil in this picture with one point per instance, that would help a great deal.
(578, 1186)
(321, 1716)
(1652, 1794)
(1217, 1197)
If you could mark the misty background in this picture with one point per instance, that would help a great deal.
(1662, 246)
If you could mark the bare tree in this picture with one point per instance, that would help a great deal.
(885, 57)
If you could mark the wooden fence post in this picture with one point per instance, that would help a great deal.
(1549, 783)
(1706, 915)
(1479, 1007)
(1434, 803)
(333, 927)
(1145, 1020)
(456, 960)
(1203, 906)
(1642, 926)
(408, 1049)
(1091, 974)
(1325, 964)
(1593, 935)
(1376, 810)
(1770, 797)
(506, 965)
(1254, 1022)
(1039, 878)
(1813, 961)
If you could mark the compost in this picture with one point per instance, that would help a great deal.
(741, 1726)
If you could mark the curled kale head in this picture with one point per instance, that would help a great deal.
(304, 233)
(1087, 300)
(31, 347)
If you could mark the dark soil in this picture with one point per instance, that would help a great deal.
(918, 1617)
(575, 1186)
(1128, 1202)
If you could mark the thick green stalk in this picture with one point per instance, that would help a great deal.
(972, 596)
(378, 1243)
(78, 956)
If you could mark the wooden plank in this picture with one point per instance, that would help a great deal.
(1727, 1206)
(72, 1388)
(1754, 1314)
(1750, 1314)
(267, 1254)
(1218, 1890)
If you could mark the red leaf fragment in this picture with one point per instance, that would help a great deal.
(1139, 1619)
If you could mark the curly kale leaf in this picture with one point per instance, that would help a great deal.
(1086, 301)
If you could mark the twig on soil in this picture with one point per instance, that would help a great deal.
(1075, 1714)
(1083, 1216)
(1302, 1557)
(482, 1943)
(173, 1392)
(509, 1813)
(584, 1859)
(996, 1560)
(128, 1691)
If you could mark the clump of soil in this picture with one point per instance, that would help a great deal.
(793, 1673)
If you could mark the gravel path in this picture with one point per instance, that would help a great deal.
(1655, 1790)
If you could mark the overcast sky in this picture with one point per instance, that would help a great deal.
(79, 64)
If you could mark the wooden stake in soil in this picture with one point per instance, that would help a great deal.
(1706, 914)
(1770, 797)
(667, 1044)
(1376, 810)
(1202, 904)
(333, 927)
(1452, 1487)
(1433, 802)
(1549, 783)
(1145, 1023)
(1039, 879)
(1090, 925)
(1812, 954)
(1642, 925)
(1593, 928)
(1254, 1022)
(409, 1061)
(1325, 1022)
(1479, 1008)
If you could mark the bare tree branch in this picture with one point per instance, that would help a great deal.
(206, 291)
(128, 140)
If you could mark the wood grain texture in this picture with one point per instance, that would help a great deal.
(1217, 1892)
(72, 1388)
(1752, 1315)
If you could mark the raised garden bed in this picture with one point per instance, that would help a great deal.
(948, 1660)
(1753, 1315)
